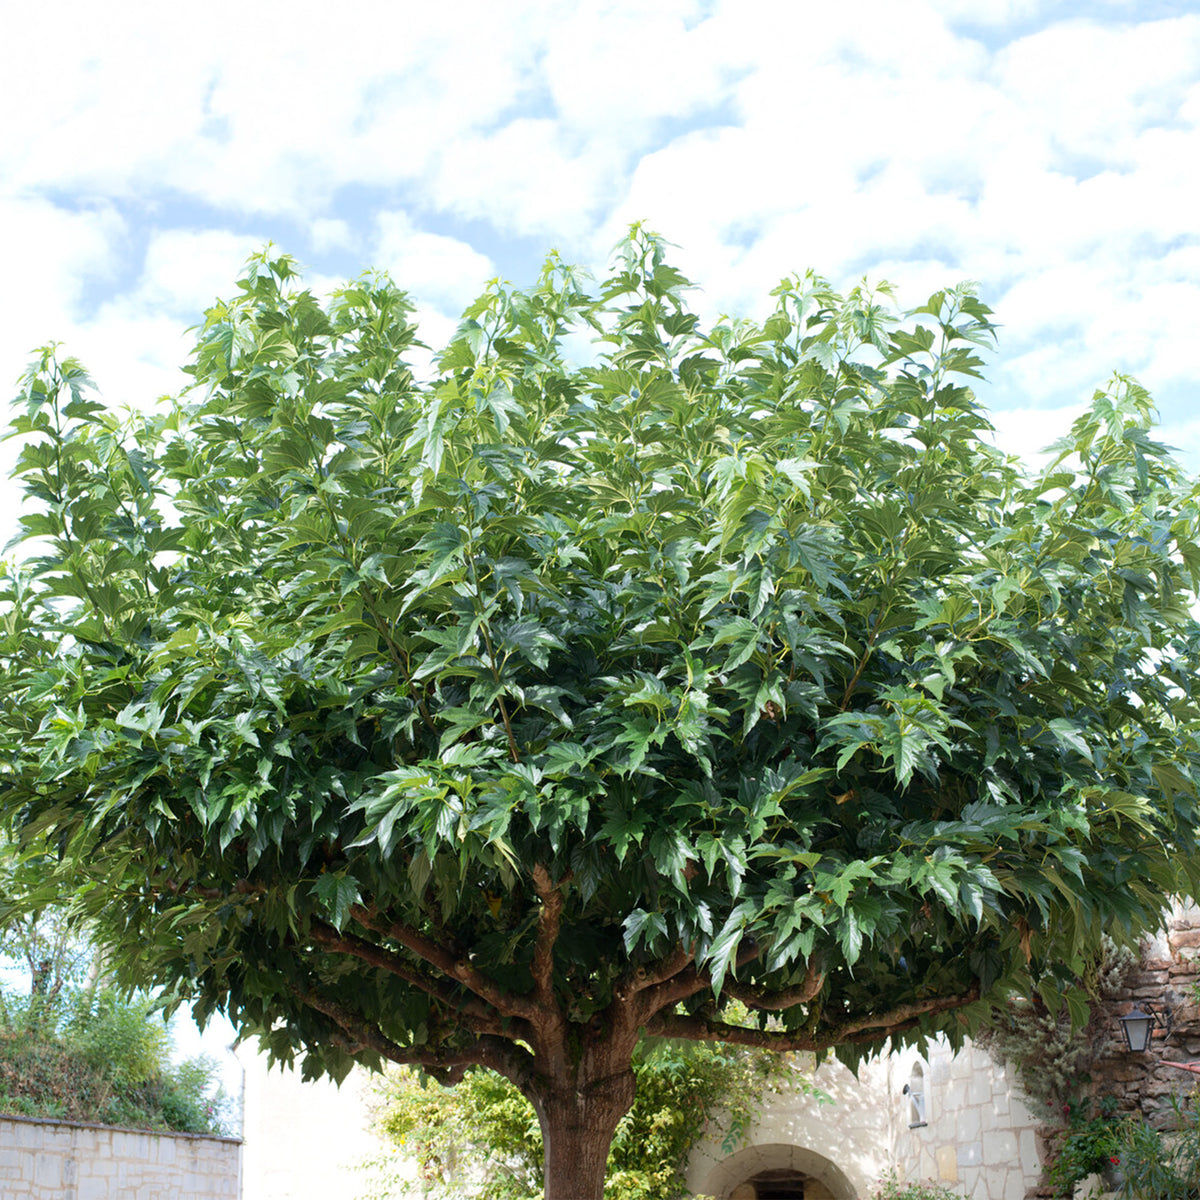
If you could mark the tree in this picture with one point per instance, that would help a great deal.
(39, 938)
(507, 717)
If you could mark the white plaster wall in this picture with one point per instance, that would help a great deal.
(303, 1140)
(845, 1143)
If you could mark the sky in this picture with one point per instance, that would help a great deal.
(1048, 149)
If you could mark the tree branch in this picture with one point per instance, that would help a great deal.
(239, 887)
(689, 981)
(638, 979)
(513, 1062)
(905, 1014)
(868, 1029)
(437, 956)
(768, 1001)
(482, 1017)
(549, 923)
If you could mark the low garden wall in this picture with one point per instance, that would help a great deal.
(57, 1160)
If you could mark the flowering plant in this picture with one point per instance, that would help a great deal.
(1090, 1147)
(890, 1188)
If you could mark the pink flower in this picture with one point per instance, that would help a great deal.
(1112, 1158)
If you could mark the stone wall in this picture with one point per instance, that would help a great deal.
(1165, 978)
(56, 1160)
(977, 1135)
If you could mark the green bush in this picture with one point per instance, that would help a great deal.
(1089, 1147)
(122, 1037)
(104, 1059)
(1161, 1166)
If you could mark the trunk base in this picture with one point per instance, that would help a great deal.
(577, 1131)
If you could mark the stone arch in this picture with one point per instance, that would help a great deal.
(775, 1158)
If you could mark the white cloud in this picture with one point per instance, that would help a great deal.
(524, 179)
(434, 268)
(186, 270)
(1060, 170)
(331, 233)
(1091, 87)
(620, 67)
(1028, 432)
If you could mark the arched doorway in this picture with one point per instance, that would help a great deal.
(777, 1171)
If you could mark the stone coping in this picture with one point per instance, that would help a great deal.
(171, 1133)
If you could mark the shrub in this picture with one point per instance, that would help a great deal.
(105, 1059)
(891, 1188)
(1159, 1166)
(1090, 1146)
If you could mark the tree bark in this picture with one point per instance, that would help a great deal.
(578, 1124)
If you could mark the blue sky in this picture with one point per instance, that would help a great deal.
(1049, 150)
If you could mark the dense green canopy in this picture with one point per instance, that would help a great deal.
(502, 715)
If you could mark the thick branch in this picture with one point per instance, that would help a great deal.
(905, 1014)
(437, 956)
(549, 923)
(868, 1029)
(239, 887)
(513, 1062)
(702, 1029)
(689, 981)
(481, 1018)
(649, 975)
(769, 1001)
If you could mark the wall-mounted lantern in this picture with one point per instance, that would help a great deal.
(1137, 1027)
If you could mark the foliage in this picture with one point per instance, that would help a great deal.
(1158, 1166)
(496, 719)
(104, 1059)
(484, 1130)
(43, 937)
(1090, 1145)
(1052, 1052)
(122, 1036)
(890, 1188)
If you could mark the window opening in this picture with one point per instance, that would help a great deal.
(915, 1091)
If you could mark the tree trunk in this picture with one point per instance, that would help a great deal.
(578, 1124)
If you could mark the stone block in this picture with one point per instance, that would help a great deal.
(967, 1125)
(1000, 1148)
(1027, 1149)
(969, 1154)
(47, 1172)
(947, 1165)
